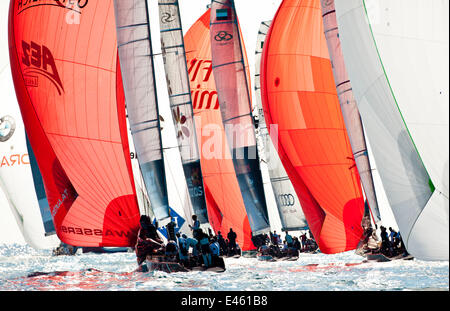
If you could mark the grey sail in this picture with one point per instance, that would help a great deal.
(349, 108)
(232, 83)
(178, 85)
(288, 204)
(44, 208)
(136, 61)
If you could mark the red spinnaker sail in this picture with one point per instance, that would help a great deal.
(64, 64)
(225, 204)
(299, 95)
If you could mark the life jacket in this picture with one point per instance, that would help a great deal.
(215, 248)
(288, 239)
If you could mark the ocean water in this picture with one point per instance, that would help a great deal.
(25, 269)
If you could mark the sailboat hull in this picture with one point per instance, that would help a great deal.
(168, 266)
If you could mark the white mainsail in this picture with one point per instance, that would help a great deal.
(154, 139)
(179, 90)
(396, 54)
(136, 61)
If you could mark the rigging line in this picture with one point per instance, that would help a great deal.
(170, 30)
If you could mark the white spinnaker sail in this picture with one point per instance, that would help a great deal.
(16, 179)
(288, 204)
(396, 53)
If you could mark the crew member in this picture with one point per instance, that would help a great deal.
(196, 227)
(231, 241)
(148, 241)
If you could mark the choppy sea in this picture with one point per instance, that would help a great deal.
(24, 269)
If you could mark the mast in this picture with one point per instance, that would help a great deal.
(288, 204)
(136, 59)
(174, 55)
(232, 84)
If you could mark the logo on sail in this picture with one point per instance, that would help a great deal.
(167, 18)
(7, 128)
(286, 199)
(180, 119)
(203, 96)
(72, 5)
(39, 61)
(223, 36)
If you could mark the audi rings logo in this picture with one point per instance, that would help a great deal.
(7, 128)
(223, 36)
(286, 199)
